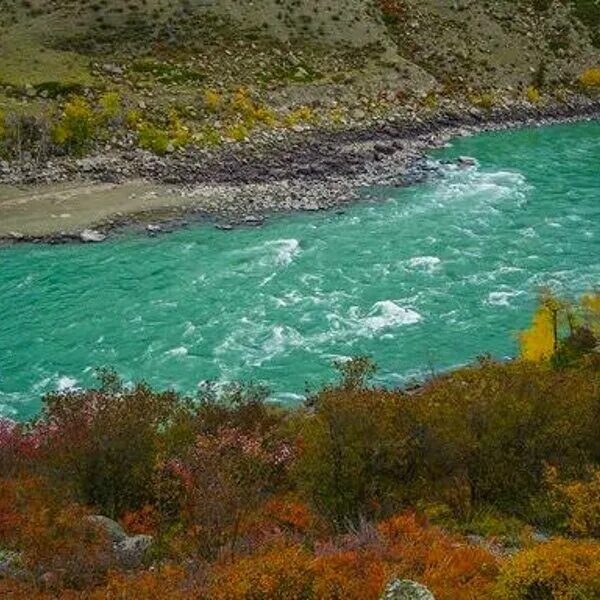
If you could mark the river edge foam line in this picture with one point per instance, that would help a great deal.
(321, 171)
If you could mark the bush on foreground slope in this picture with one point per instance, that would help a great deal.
(248, 501)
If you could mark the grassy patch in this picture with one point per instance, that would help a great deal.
(167, 72)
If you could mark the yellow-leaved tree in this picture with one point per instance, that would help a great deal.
(538, 343)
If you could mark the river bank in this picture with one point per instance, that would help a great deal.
(91, 198)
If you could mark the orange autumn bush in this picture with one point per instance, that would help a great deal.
(280, 573)
(165, 583)
(144, 521)
(452, 569)
(558, 570)
(292, 514)
(63, 545)
(352, 575)
(13, 589)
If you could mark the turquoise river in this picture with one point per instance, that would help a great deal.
(425, 279)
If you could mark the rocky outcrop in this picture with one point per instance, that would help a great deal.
(129, 551)
(404, 589)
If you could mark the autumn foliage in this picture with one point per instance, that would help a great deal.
(246, 500)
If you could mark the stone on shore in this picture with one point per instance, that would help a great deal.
(91, 236)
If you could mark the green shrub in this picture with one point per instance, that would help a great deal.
(476, 438)
(238, 132)
(56, 89)
(110, 106)
(588, 11)
(154, 139)
(358, 451)
(109, 441)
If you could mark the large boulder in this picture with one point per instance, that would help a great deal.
(403, 589)
(115, 532)
(128, 551)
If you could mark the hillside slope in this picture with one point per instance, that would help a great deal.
(301, 61)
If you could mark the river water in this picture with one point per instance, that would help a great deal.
(424, 279)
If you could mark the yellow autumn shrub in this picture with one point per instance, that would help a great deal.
(558, 570)
(533, 95)
(212, 100)
(590, 78)
(301, 115)
(578, 501)
(538, 342)
(110, 106)
(77, 125)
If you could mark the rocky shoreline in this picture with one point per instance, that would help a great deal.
(303, 171)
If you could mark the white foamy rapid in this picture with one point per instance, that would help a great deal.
(66, 384)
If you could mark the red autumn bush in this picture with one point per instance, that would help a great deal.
(18, 446)
(293, 515)
(222, 481)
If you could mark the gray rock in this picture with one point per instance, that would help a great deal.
(10, 563)
(115, 532)
(385, 149)
(130, 552)
(466, 161)
(403, 589)
(112, 69)
(91, 236)
(253, 220)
